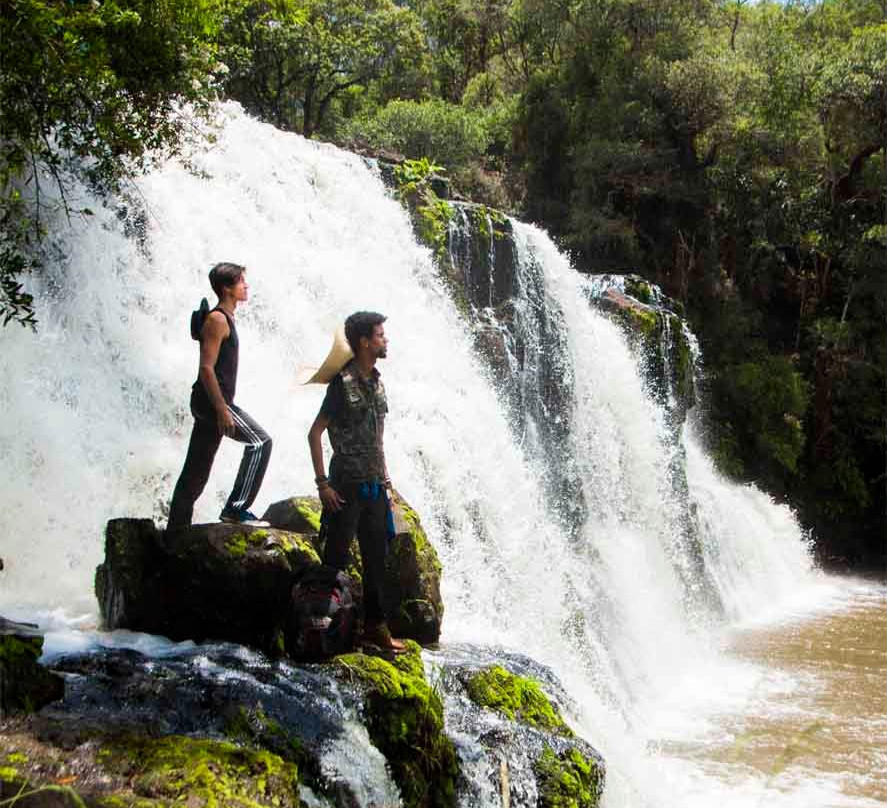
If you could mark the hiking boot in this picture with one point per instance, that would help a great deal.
(241, 516)
(378, 636)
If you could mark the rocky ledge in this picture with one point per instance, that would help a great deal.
(234, 583)
(214, 722)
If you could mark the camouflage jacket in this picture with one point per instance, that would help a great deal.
(355, 430)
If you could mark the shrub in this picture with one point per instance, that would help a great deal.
(447, 133)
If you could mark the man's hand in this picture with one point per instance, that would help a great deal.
(330, 498)
(226, 422)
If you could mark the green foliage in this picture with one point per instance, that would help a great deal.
(770, 399)
(488, 221)
(292, 59)
(95, 88)
(445, 132)
(431, 214)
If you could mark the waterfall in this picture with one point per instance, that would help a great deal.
(560, 530)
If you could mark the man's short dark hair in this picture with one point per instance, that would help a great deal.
(361, 324)
(224, 275)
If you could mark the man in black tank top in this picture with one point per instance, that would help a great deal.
(216, 415)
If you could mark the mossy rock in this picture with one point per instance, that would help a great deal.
(518, 698)
(296, 514)
(411, 594)
(233, 582)
(639, 289)
(404, 717)
(142, 772)
(568, 779)
(412, 581)
(213, 581)
(203, 773)
(25, 685)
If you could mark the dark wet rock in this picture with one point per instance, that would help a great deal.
(25, 684)
(506, 713)
(133, 727)
(519, 333)
(235, 582)
(654, 323)
(411, 597)
(215, 581)
(406, 723)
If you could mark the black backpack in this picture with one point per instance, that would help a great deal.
(322, 615)
(198, 318)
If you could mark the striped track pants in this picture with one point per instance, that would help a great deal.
(205, 440)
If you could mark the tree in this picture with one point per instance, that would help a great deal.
(92, 88)
(291, 59)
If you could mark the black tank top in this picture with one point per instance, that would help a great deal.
(225, 369)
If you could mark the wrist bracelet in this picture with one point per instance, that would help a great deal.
(321, 479)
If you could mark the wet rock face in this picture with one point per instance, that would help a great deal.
(411, 596)
(519, 333)
(25, 684)
(215, 581)
(513, 743)
(406, 723)
(654, 324)
(234, 582)
(212, 725)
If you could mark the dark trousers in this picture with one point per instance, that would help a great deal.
(205, 439)
(368, 519)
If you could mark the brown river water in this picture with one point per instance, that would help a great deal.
(811, 730)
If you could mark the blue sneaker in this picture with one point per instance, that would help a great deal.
(242, 516)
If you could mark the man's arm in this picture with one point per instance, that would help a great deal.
(328, 495)
(215, 330)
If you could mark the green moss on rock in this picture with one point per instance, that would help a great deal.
(204, 773)
(25, 685)
(310, 510)
(296, 514)
(639, 289)
(251, 726)
(517, 697)
(405, 722)
(568, 780)
(15, 650)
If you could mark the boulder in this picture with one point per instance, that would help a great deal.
(298, 514)
(25, 685)
(213, 581)
(405, 719)
(653, 323)
(567, 769)
(234, 582)
(412, 598)
(412, 580)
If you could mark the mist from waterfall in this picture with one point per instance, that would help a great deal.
(99, 424)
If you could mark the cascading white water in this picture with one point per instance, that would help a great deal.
(97, 425)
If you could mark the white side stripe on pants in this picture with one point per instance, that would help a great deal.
(256, 442)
